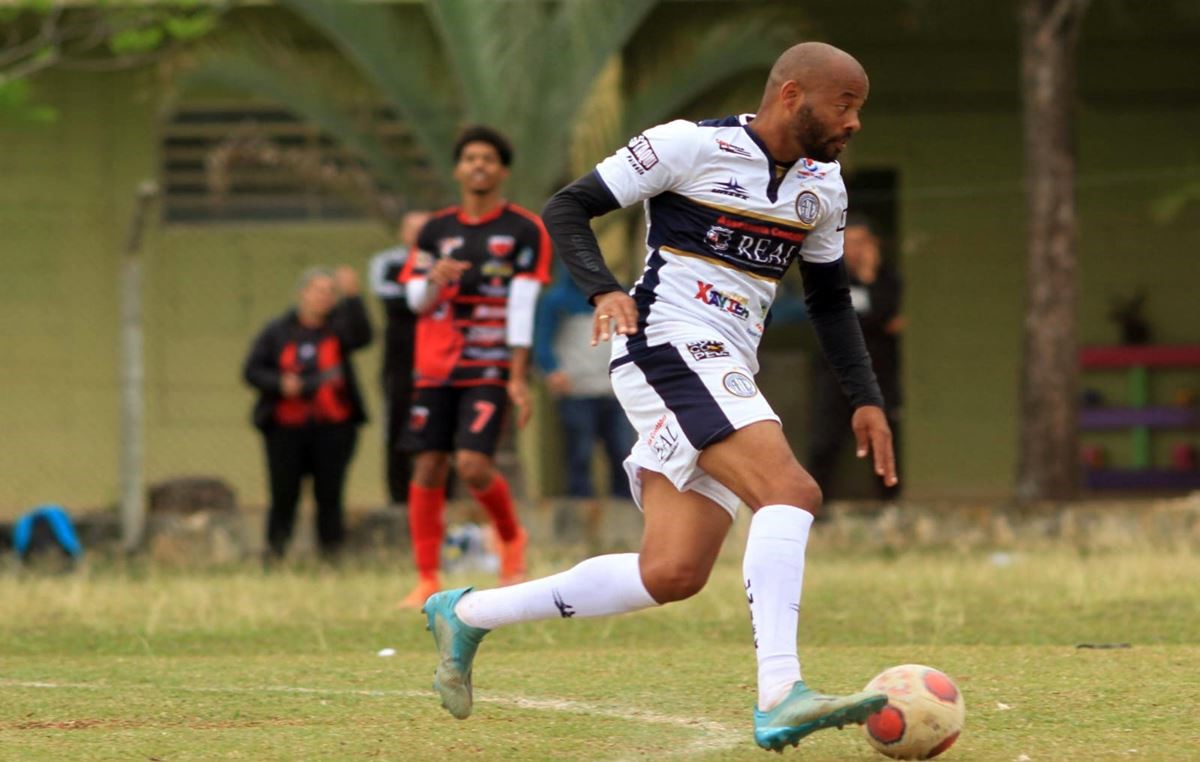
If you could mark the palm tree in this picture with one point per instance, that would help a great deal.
(527, 67)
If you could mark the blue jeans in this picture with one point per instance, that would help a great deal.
(584, 420)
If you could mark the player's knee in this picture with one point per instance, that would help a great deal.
(474, 468)
(674, 580)
(430, 470)
(792, 486)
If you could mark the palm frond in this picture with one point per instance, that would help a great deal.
(281, 77)
(400, 58)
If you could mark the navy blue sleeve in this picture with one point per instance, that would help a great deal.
(827, 296)
(567, 216)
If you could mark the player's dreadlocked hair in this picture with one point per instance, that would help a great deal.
(479, 133)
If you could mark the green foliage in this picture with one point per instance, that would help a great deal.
(16, 102)
(525, 66)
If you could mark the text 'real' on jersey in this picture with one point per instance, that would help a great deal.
(724, 223)
(465, 338)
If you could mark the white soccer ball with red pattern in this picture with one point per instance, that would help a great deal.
(924, 714)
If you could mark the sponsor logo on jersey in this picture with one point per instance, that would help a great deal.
(501, 245)
(489, 312)
(809, 168)
(663, 439)
(525, 258)
(718, 238)
(641, 154)
(736, 150)
(842, 224)
(494, 288)
(808, 207)
(739, 384)
(734, 304)
(496, 269)
(448, 246)
(761, 243)
(730, 188)
(707, 350)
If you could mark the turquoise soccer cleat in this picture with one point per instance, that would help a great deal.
(805, 711)
(456, 644)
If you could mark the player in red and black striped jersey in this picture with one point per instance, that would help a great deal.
(474, 281)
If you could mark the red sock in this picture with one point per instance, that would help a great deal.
(426, 506)
(497, 501)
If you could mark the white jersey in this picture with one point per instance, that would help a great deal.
(724, 223)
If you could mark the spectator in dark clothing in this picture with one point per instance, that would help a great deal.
(576, 374)
(396, 377)
(875, 291)
(309, 406)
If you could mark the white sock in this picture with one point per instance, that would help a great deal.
(596, 587)
(773, 568)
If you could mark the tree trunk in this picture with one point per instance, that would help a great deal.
(1047, 466)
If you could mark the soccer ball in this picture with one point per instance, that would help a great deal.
(923, 716)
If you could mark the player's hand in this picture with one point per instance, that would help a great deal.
(518, 394)
(447, 271)
(873, 435)
(558, 383)
(345, 278)
(613, 306)
(290, 385)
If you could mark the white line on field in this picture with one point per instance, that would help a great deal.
(714, 735)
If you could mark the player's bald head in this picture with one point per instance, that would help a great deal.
(809, 64)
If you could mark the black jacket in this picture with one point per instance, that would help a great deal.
(347, 323)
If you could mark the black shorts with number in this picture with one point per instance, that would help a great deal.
(449, 418)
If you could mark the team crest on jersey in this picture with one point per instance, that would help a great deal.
(448, 246)
(718, 238)
(641, 154)
(736, 150)
(501, 245)
(739, 384)
(731, 188)
(808, 208)
(809, 168)
(707, 350)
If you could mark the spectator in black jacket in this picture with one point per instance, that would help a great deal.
(309, 406)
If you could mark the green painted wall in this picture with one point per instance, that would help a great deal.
(943, 114)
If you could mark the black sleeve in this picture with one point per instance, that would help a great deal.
(567, 216)
(261, 368)
(827, 295)
(351, 324)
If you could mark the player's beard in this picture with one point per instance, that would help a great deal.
(818, 142)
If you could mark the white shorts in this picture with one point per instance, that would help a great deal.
(681, 398)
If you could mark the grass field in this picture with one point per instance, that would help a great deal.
(139, 664)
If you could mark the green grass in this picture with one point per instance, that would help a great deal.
(235, 664)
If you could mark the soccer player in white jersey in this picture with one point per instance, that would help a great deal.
(730, 205)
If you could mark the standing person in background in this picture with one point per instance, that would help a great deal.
(398, 338)
(309, 407)
(474, 281)
(875, 291)
(576, 374)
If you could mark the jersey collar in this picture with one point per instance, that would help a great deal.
(777, 172)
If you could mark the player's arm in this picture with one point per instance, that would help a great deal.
(522, 303)
(827, 297)
(651, 163)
